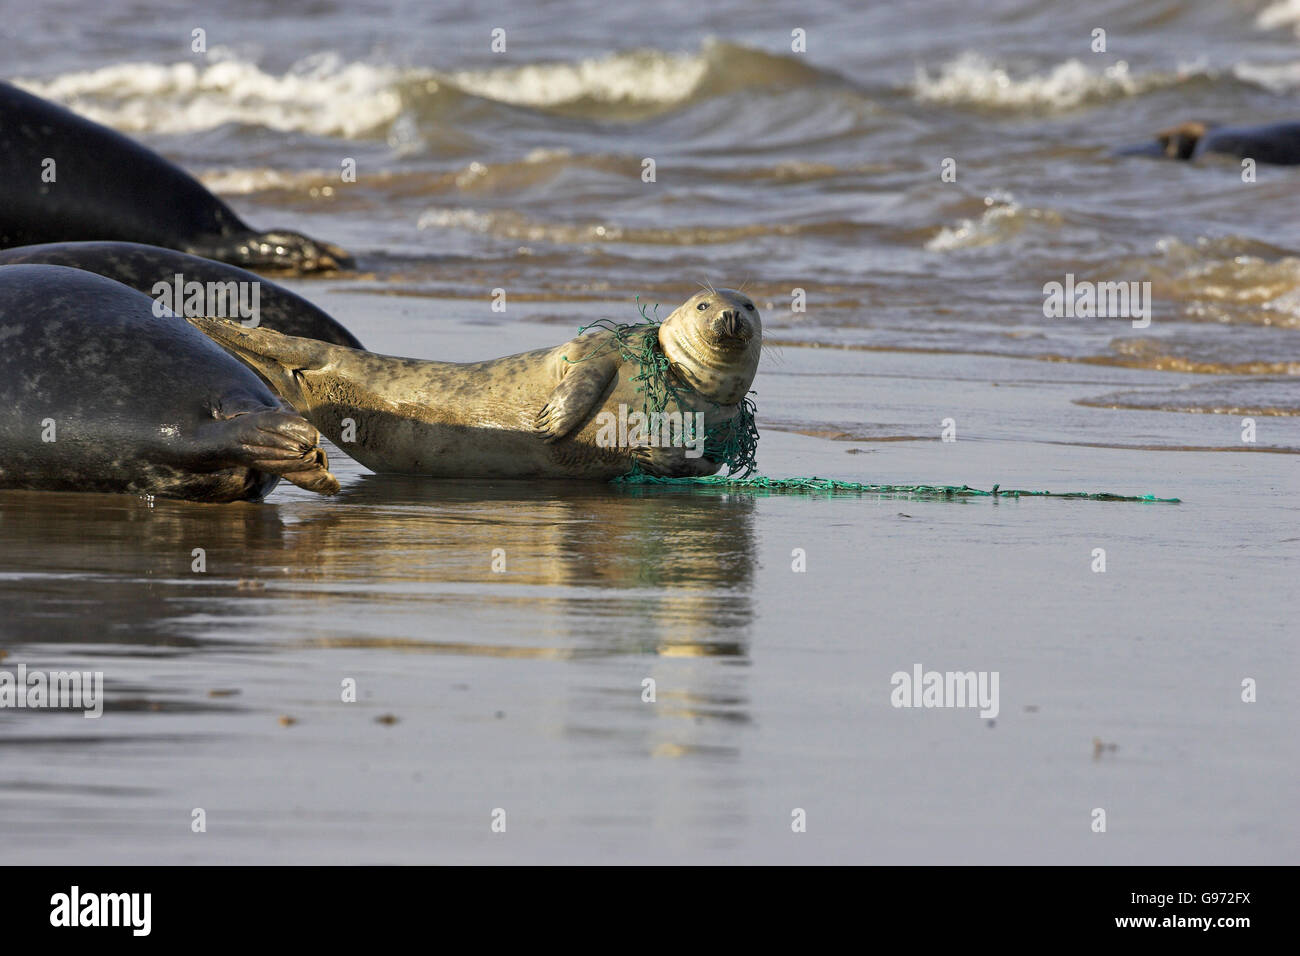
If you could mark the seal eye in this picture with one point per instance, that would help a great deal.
(702, 306)
(749, 307)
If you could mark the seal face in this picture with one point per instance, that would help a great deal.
(105, 186)
(713, 341)
(541, 414)
(99, 394)
(153, 270)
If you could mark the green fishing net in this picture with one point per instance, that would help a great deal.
(735, 443)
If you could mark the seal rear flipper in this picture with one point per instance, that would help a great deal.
(277, 358)
(277, 443)
(276, 250)
(577, 395)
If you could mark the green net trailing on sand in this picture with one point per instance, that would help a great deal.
(828, 485)
(735, 443)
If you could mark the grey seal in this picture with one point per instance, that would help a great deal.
(551, 413)
(143, 268)
(97, 393)
(106, 186)
(1276, 143)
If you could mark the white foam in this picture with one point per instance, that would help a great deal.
(507, 224)
(242, 181)
(326, 96)
(1282, 13)
(455, 219)
(318, 95)
(1275, 77)
(972, 78)
(634, 76)
(1003, 219)
(1223, 273)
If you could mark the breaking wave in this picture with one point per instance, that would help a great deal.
(325, 95)
(973, 79)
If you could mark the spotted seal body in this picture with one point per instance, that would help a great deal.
(550, 413)
(106, 186)
(143, 267)
(1277, 143)
(99, 394)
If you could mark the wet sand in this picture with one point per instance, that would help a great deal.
(522, 689)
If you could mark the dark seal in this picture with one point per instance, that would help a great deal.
(1277, 144)
(106, 186)
(97, 393)
(154, 270)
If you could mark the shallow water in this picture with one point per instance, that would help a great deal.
(522, 689)
(817, 170)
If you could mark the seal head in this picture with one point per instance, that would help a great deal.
(713, 341)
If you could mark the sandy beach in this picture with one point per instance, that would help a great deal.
(522, 690)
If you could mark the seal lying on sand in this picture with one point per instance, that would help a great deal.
(105, 186)
(1278, 143)
(144, 267)
(99, 394)
(552, 413)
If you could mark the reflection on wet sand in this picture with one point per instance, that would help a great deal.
(625, 572)
(568, 568)
(114, 569)
(619, 584)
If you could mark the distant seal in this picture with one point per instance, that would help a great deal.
(540, 414)
(143, 267)
(99, 394)
(108, 187)
(1277, 144)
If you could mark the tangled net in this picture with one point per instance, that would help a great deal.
(734, 443)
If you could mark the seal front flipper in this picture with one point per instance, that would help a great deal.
(673, 463)
(576, 397)
(274, 251)
(274, 442)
